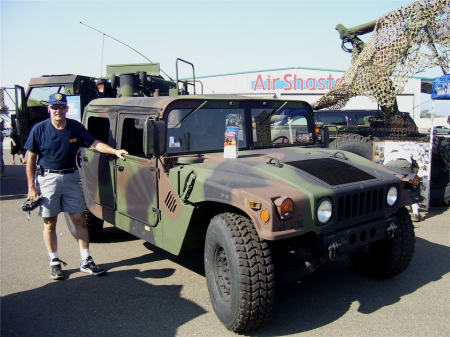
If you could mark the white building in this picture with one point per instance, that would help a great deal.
(307, 84)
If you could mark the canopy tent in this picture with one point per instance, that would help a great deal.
(441, 87)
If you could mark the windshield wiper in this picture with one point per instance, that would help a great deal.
(190, 113)
(274, 111)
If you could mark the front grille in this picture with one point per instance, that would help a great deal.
(360, 203)
(333, 172)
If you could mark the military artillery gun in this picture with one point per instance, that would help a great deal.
(403, 43)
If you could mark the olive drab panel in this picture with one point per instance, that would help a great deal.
(137, 186)
(97, 175)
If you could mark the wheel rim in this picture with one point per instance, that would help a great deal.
(222, 273)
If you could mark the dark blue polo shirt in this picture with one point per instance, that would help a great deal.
(57, 149)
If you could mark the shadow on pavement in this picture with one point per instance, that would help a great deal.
(121, 303)
(434, 211)
(327, 295)
(113, 234)
(192, 259)
(13, 183)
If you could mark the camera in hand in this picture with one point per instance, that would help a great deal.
(30, 205)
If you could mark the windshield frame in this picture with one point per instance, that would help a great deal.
(244, 106)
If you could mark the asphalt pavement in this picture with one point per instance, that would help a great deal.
(148, 292)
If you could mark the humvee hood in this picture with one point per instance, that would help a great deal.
(326, 168)
(308, 172)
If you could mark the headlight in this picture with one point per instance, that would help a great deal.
(324, 211)
(392, 196)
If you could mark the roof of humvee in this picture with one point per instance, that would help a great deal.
(161, 102)
(46, 80)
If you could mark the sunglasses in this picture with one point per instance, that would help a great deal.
(58, 107)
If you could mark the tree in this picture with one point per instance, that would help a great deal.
(426, 113)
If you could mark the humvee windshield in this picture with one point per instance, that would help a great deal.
(203, 130)
(38, 96)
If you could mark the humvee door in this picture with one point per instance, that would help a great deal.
(96, 169)
(137, 184)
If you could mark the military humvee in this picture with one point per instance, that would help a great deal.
(283, 202)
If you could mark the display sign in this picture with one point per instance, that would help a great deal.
(233, 133)
(419, 152)
(441, 87)
(74, 104)
(293, 82)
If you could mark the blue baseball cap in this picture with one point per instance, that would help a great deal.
(57, 99)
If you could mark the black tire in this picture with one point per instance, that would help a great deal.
(94, 225)
(354, 143)
(388, 257)
(239, 272)
(440, 181)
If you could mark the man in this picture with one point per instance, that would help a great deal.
(53, 145)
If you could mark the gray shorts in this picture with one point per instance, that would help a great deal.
(61, 193)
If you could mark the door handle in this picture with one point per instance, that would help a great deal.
(120, 168)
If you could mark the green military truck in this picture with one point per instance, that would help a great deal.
(140, 79)
(31, 104)
(284, 202)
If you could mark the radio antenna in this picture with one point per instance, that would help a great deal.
(111, 37)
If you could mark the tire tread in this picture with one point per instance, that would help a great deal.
(256, 274)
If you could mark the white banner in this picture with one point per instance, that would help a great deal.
(420, 152)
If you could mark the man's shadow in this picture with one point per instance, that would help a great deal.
(121, 303)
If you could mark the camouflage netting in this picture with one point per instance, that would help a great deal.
(403, 43)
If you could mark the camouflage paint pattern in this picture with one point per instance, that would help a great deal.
(157, 198)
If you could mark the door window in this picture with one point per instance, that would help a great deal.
(99, 128)
(133, 136)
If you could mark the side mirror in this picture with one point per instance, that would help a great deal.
(154, 137)
(323, 135)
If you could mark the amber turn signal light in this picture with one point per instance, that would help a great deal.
(265, 216)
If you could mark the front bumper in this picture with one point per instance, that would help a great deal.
(351, 239)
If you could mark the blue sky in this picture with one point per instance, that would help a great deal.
(45, 37)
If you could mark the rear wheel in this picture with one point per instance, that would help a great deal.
(94, 225)
(388, 257)
(440, 178)
(239, 272)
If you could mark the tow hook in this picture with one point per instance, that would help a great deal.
(332, 249)
(391, 230)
